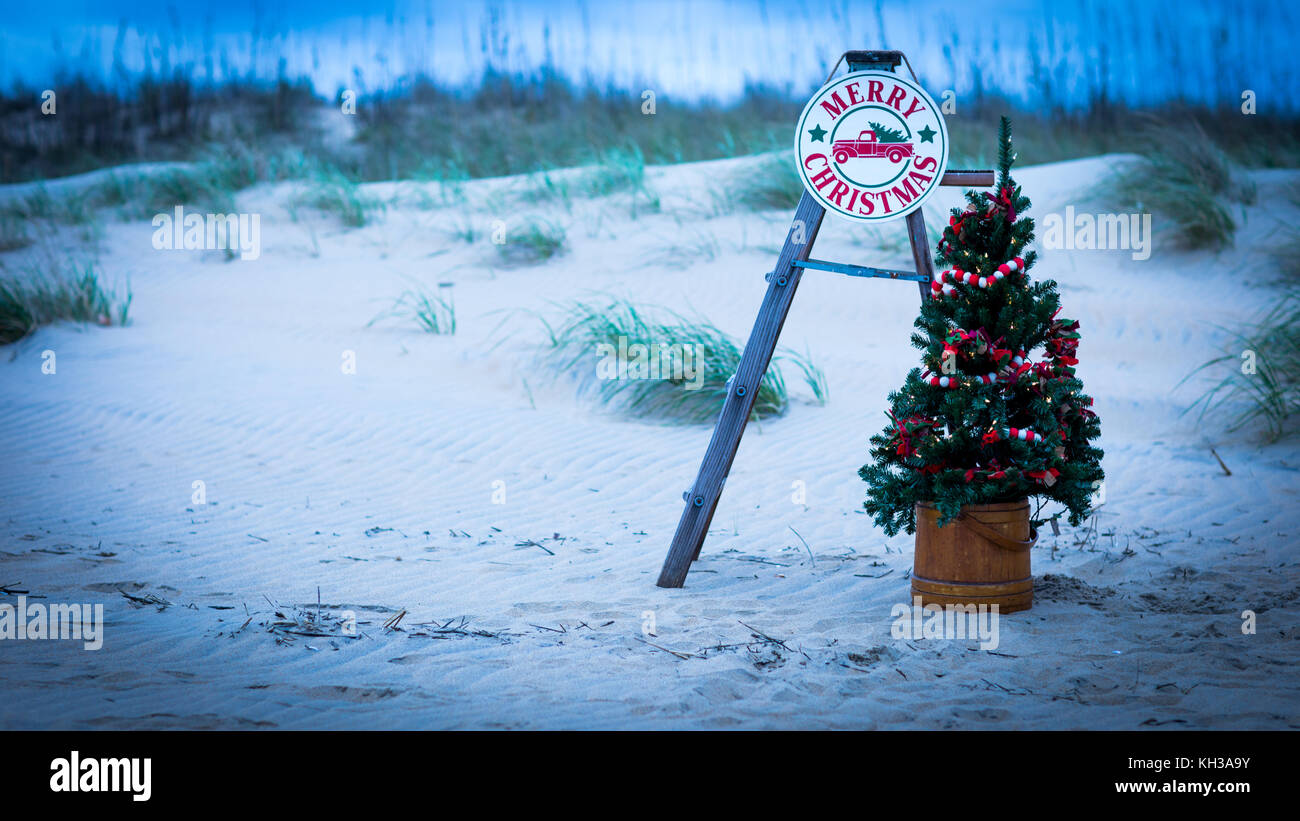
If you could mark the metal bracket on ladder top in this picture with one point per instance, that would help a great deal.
(702, 499)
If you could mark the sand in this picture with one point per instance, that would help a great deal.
(377, 490)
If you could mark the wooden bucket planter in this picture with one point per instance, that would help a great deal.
(981, 557)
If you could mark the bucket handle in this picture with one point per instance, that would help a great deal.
(999, 539)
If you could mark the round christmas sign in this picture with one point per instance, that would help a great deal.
(871, 146)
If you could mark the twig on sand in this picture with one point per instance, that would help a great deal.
(392, 623)
(301, 621)
(761, 635)
(1021, 691)
(805, 545)
(148, 598)
(12, 589)
(876, 576)
(438, 631)
(531, 543)
(1090, 534)
(314, 634)
(1226, 472)
(676, 653)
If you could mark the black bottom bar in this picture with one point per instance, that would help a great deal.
(959, 772)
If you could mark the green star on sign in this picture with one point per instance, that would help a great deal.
(817, 133)
(927, 134)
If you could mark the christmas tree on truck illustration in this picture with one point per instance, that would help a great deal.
(877, 141)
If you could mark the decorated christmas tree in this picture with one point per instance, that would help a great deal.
(984, 420)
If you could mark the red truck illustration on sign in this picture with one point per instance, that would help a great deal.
(867, 145)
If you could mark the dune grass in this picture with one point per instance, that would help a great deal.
(773, 185)
(813, 376)
(433, 312)
(152, 194)
(619, 170)
(537, 241)
(465, 230)
(1287, 253)
(42, 206)
(329, 191)
(690, 387)
(14, 233)
(1189, 182)
(525, 121)
(75, 294)
(544, 186)
(208, 184)
(237, 135)
(1265, 396)
(1286, 250)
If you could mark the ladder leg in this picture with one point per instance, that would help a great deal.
(921, 251)
(702, 499)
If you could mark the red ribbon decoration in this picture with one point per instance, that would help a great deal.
(906, 428)
(958, 223)
(1003, 202)
(905, 441)
(1043, 475)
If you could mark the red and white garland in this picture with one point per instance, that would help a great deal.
(1008, 375)
(942, 285)
(1023, 434)
(954, 381)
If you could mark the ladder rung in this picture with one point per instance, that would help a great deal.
(859, 270)
(967, 178)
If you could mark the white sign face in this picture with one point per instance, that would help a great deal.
(871, 146)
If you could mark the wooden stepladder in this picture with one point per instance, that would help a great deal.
(702, 498)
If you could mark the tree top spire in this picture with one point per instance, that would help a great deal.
(1006, 156)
